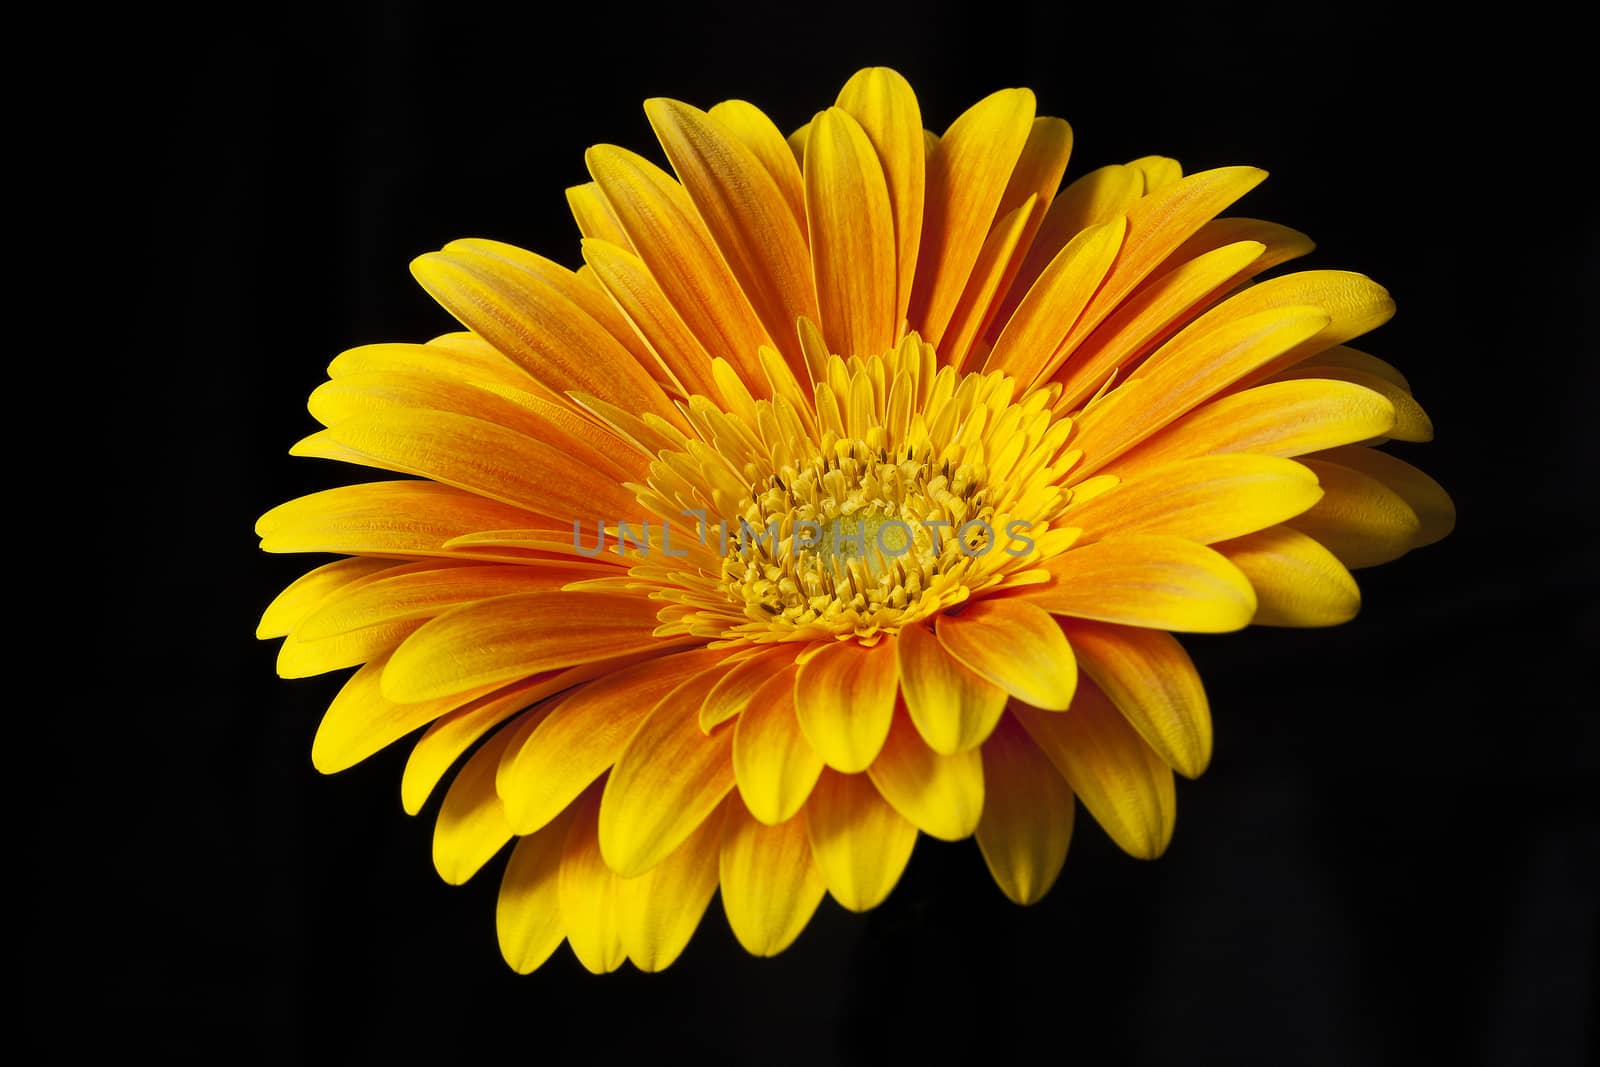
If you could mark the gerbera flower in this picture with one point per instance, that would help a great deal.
(851, 490)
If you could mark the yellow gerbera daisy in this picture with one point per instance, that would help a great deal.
(851, 490)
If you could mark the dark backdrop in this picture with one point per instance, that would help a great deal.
(1391, 858)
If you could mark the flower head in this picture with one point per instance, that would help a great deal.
(852, 490)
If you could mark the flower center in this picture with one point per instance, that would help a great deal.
(856, 529)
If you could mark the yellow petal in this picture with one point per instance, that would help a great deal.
(1194, 366)
(1210, 498)
(360, 721)
(1027, 815)
(590, 908)
(1158, 223)
(678, 250)
(997, 258)
(1119, 778)
(967, 174)
(1158, 309)
(406, 518)
(745, 212)
(730, 696)
(860, 844)
(756, 132)
(1297, 581)
(446, 740)
(844, 698)
(1026, 347)
(1091, 199)
(941, 795)
(472, 824)
(1158, 171)
(669, 779)
(774, 766)
(1152, 681)
(593, 215)
(660, 910)
(1436, 512)
(1411, 423)
(528, 912)
(1281, 244)
(481, 457)
(638, 294)
(1353, 303)
(886, 108)
(511, 637)
(1015, 645)
(533, 311)
(1359, 519)
(585, 734)
(312, 589)
(1165, 583)
(852, 236)
(770, 885)
(1279, 419)
(1345, 356)
(953, 708)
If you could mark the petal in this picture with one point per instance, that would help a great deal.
(1123, 783)
(998, 256)
(1211, 498)
(361, 720)
(1359, 519)
(844, 698)
(770, 885)
(1153, 682)
(1158, 309)
(1194, 366)
(668, 781)
(512, 637)
(756, 132)
(1297, 581)
(852, 236)
(590, 892)
(1279, 419)
(447, 739)
(660, 910)
(882, 102)
(480, 457)
(774, 766)
(860, 844)
(472, 824)
(941, 795)
(1015, 645)
(1027, 815)
(674, 244)
(730, 696)
(312, 589)
(534, 311)
(1353, 303)
(405, 518)
(593, 215)
(1044, 318)
(1165, 583)
(1411, 423)
(637, 293)
(587, 733)
(746, 214)
(967, 175)
(1436, 512)
(953, 708)
(528, 913)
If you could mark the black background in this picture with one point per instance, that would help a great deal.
(1392, 856)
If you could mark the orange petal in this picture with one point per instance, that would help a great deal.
(1015, 645)
(774, 766)
(1165, 583)
(1297, 582)
(1359, 518)
(407, 518)
(1436, 512)
(953, 708)
(852, 236)
(1210, 498)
